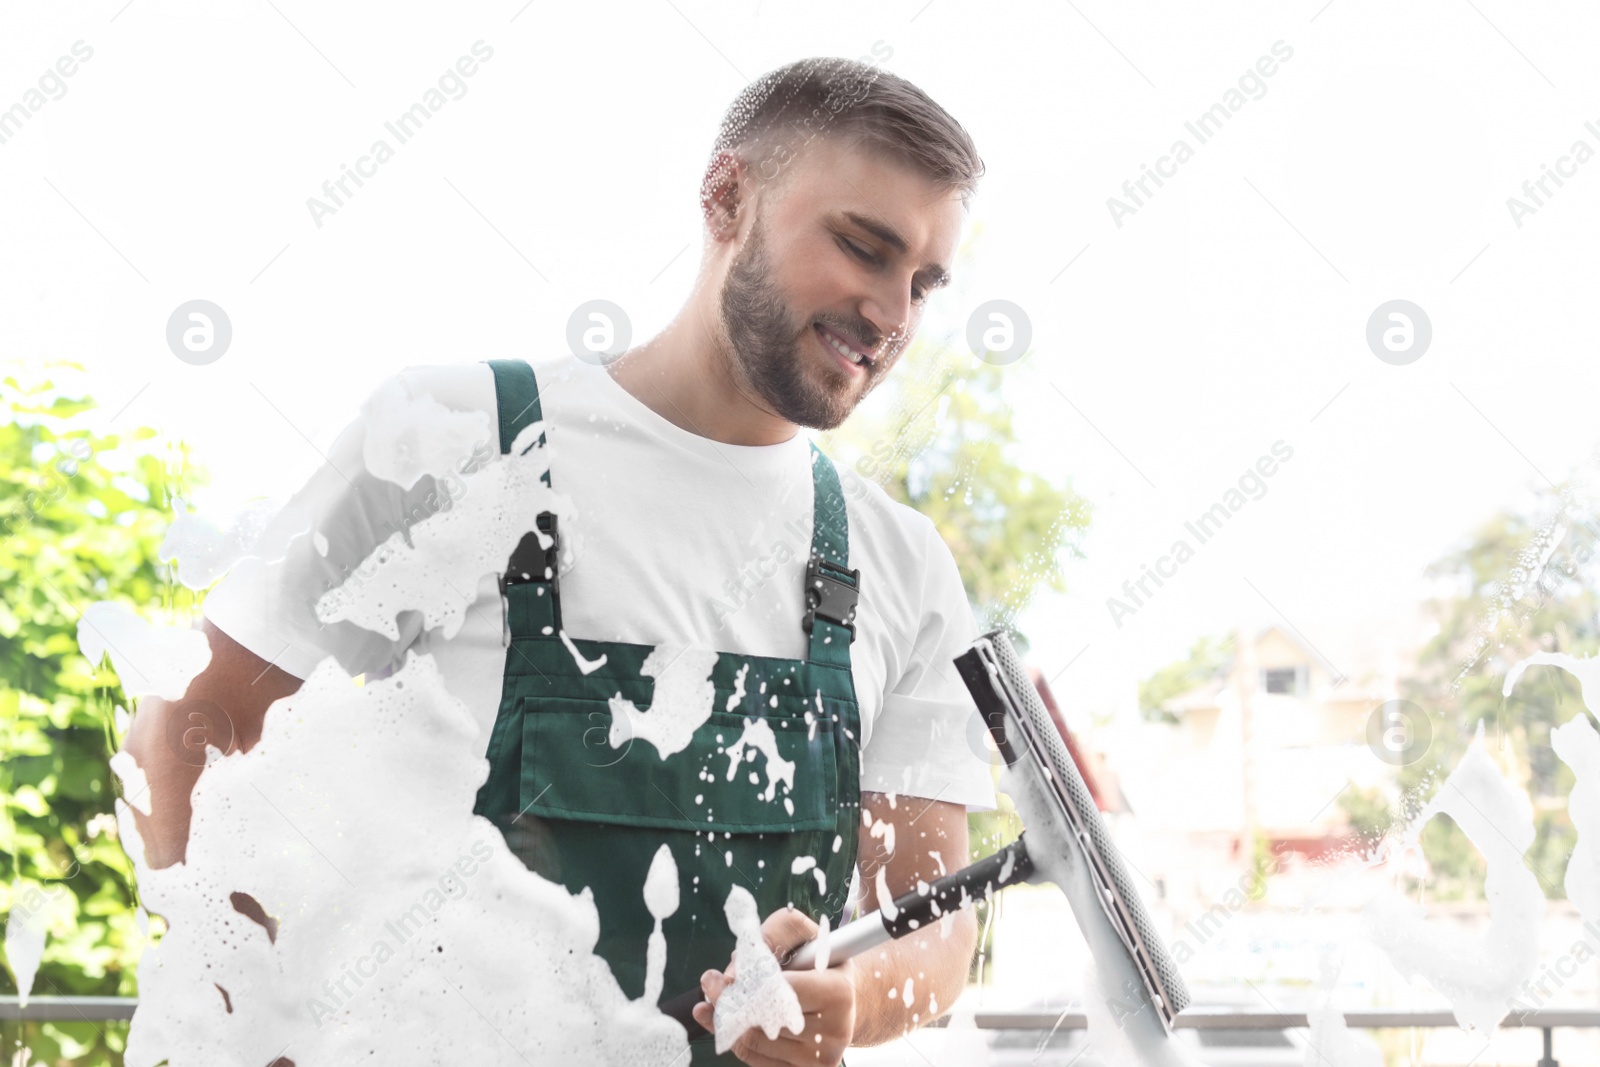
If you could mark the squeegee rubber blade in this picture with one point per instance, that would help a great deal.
(1163, 972)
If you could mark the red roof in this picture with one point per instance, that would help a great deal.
(1073, 749)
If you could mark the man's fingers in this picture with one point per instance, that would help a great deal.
(758, 1050)
(807, 1035)
(786, 929)
(788, 1048)
(821, 991)
(756, 1057)
(817, 991)
(827, 1001)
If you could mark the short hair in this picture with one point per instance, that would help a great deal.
(779, 113)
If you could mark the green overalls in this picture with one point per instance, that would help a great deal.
(582, 813)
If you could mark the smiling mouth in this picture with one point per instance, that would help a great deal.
(850, 350)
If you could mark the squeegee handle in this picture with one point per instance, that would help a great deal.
(913, 910)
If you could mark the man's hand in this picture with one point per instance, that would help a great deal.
(827, 997)
(168, 738)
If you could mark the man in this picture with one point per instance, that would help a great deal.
(707, 538)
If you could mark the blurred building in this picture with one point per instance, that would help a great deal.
(1259, 752)
(1227, 816)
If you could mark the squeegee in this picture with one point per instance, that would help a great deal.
(1063, 832)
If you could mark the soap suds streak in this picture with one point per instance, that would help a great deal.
(883, 829)
(150, 660)
(435, 566)
(135, 790)
(759, 996)
(33, 909)
(402, 928)
(382, 953)
(1578, 746)
(737, 696)
(585, 666)
(682, 703)
(802, 864)
(758, 737)
(661, 900)
(1478, 974)
(1124, 1026)
(201, 552)
(408, 437)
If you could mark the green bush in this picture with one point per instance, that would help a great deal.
(81, 519)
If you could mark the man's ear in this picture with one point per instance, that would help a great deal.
(723, 195)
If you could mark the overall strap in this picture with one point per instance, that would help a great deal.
(517, 401)
(832, 588)
(516, 393)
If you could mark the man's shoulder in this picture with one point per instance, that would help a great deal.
(463, 387)
(442, 379)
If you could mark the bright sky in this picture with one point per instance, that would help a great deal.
(1228, 313)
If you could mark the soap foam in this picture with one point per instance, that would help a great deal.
(661, 901)
(759, 996)
(408, 437)
(1478, 974)
(1578, 746)
(134, 787)
(339, 901)
(962, 1044)
(430, 944)
(681, 703)
(33, 909)
(757, 736)
(149, 659)
(434, 567)
(1124, 1025)
(1333, 1044)
(201, 551)
(883, 829)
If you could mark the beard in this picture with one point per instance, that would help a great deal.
(765, 350)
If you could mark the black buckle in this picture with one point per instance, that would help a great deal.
(829, 595)
(530, 562)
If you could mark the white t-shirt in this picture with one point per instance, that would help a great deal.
(677, 539)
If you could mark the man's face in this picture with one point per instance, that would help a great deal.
(844, 257)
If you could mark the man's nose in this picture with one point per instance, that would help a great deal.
(889, 312)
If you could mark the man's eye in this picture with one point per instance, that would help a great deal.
(918, 295)
(857, 251)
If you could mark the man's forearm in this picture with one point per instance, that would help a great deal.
(170, 780)
(935, 961)
(224, 706)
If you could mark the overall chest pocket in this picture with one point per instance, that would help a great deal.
(733, 777)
